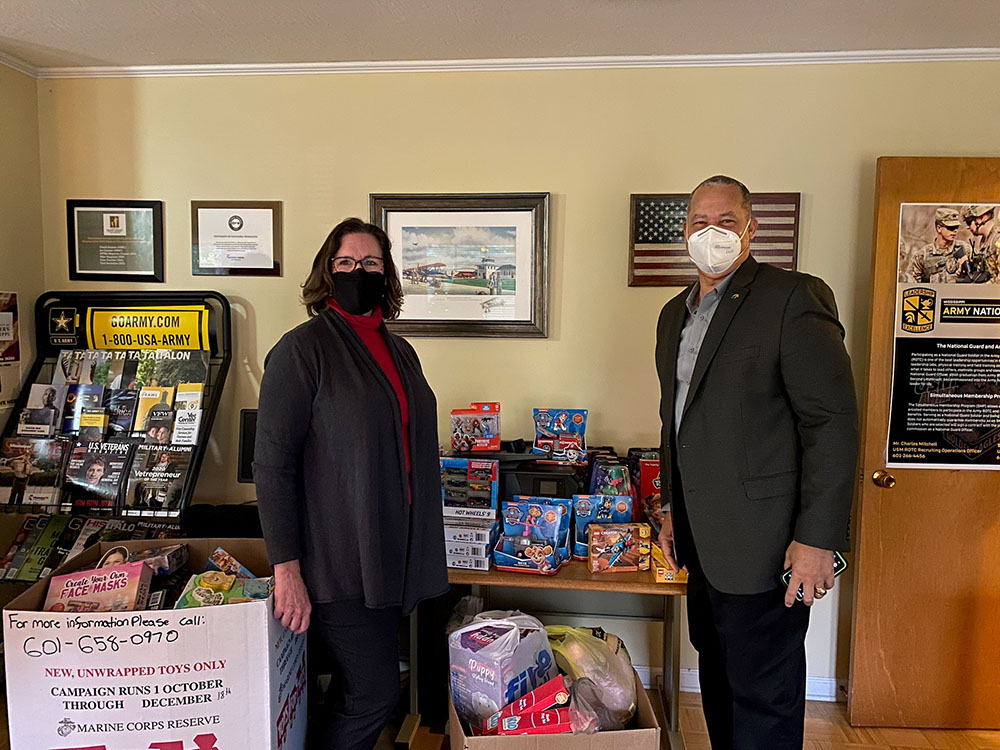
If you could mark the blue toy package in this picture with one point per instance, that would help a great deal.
(530, 541)
(590, 509)
(610, 477)
(563, 432)
(563, 542)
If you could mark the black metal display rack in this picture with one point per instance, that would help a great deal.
(61, 322)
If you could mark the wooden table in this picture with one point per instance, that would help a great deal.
(577, 577)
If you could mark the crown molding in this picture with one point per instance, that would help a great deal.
(18, 64)
(514, 64)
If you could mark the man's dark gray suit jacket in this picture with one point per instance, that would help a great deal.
(768, 441)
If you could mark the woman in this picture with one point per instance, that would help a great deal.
(348, 480)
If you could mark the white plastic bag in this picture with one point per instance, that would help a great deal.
(495, 661)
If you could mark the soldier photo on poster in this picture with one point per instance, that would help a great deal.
(945, 406)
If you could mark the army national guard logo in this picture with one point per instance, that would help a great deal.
(918, 310)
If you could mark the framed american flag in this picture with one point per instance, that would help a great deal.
(656, 252)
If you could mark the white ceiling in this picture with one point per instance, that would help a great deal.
(87, 33)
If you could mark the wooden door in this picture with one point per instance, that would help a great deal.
(926, 635)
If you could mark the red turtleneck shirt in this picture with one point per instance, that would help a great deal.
(368, 328)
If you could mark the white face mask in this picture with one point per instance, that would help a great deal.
(714, 249)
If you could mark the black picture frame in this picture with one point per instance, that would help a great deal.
(443, 205)
(153, 273)
(275, 207)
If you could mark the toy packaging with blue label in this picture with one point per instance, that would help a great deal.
(563, 541)
(590, 509)
(469, 488)
(530, 541)
(610, 477)
(561, 432)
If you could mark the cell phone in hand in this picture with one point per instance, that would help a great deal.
(839, 566)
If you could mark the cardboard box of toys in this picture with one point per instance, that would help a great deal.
(644, 735)
(618, 548)
(122, 680)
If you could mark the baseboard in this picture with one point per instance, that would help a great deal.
(817, 688)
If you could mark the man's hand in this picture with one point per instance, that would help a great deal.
(812, 569)
(291, 600)
(666, 540)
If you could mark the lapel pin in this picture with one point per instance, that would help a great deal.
(736, 295)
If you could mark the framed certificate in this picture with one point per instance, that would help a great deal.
(236, 238)
(115, 240)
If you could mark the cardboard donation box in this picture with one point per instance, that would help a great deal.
(227, 677)
(645, 734)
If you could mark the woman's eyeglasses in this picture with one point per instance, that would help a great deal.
(346, 264)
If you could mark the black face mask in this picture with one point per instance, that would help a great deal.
(359, 291)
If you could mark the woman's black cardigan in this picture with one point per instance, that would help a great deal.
(330, 472)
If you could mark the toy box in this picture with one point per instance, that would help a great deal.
(661, 570)
(530, 541)
(163, 679)
(163, 561)
(115, 588)
(563, 541)
(610, 477)
(552, 695)
(647, 490)
(222, 560)
(476, 428)
(468, 562)
(469, 488)
(561, 432)
(590, 509)
(473, 532)
(618, 548)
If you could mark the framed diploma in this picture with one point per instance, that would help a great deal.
(115, 240)
(236, 238)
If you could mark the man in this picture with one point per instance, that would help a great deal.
(759, 450)
(944, 260)
(986, 231)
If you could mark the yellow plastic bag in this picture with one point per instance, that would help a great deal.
(601, 657)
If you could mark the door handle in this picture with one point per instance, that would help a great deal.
(884, 479)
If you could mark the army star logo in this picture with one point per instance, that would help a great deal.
(918, 310)
(62, 322)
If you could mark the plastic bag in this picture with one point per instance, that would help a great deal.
(463, 613)
(592, 654)
(496, 660)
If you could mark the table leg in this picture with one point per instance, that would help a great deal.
(670, 682)
(410, 724)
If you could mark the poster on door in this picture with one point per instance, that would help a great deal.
(945, 406)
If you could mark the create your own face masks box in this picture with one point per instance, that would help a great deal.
(212, 678)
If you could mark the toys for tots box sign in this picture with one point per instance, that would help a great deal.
(213, 678)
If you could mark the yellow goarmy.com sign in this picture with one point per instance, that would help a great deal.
(168, 327)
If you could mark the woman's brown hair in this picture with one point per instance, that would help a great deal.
(319, 285)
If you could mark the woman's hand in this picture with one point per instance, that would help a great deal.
(291, 600)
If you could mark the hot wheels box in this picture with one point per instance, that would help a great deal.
(590, 509)
(619, 547)
(127, 680)
(468, 562)
(471, 531)
(469, 488)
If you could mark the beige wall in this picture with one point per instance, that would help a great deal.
(322, 143)
(20, 202)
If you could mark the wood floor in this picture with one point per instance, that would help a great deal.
(827, 729)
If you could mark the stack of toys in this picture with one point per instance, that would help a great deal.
(618, 548)
(590, 509)
(560, 434)
(469, 490)
(476, 428)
